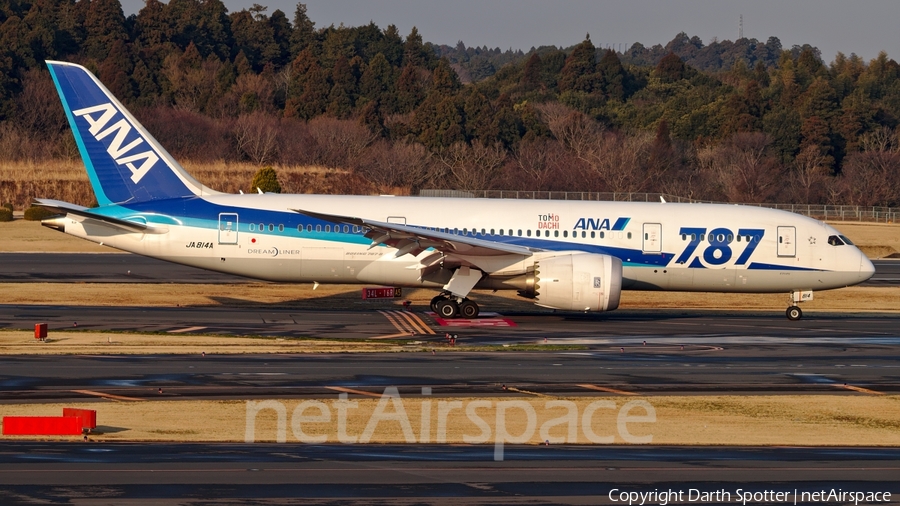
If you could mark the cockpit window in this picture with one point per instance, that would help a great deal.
(847, 241)
(835, 240)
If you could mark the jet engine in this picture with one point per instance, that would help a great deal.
(575, 282)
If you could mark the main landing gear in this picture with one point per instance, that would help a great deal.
(448, 306)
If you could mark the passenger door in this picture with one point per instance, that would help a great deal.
(652, 238)
(787, 241)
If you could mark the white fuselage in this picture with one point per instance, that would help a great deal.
(662, 246)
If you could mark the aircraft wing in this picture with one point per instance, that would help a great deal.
(67, 208)
(415, 240)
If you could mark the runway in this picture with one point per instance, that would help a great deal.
(129, 268)
(140, 475)
(737, 369)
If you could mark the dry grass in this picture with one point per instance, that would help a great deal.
(877, 240)
(66, 180)
(30, 236)
(820, 420)
(20, 182)
(109, 343)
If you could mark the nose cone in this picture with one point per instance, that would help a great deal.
(866, 269)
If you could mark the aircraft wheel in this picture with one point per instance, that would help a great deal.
(447, 308)
(435, 301)
(793, 313)
(468, 309)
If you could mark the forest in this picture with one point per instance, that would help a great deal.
(384, 112)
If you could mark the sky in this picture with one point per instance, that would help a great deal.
(864, 27)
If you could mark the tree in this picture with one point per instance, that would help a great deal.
(308, 89)
(214, 30)
(377, 83)
(414, 52)
(254, 36)
(303, 33)
(266, 179)
(105, 25)
(410, 88)
(615, 82)
(670, 69)
(531, 74)
(579, 72)
(342, 96)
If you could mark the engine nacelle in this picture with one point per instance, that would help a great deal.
(576, 282)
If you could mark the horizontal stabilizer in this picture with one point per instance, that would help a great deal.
(67, 208)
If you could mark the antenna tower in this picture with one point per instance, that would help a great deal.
(741, 27)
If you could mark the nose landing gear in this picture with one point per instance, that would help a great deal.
(793, 312)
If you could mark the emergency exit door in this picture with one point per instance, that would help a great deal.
(787, 241)
(652, 238)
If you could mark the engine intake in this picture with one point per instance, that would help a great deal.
(575, 282)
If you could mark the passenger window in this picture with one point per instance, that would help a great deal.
(281, 227)
(565, 233)
(510, 232)
(299, 228)
(482, 232)
(583, 234)
(355, 229)
(346, 228)
(318, 228)
(629, 235)
(528, 232)
(252, 227)
(684, 237)
(556, 233)
(309, 228)
(520, 232)
(592, 234)
(328, 228)
(271, 227)
(492, 231)
(602, 235)
(546, 233)
(262, 227)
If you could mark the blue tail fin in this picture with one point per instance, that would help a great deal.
(124, 162)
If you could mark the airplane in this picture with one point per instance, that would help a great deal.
(565, 255)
